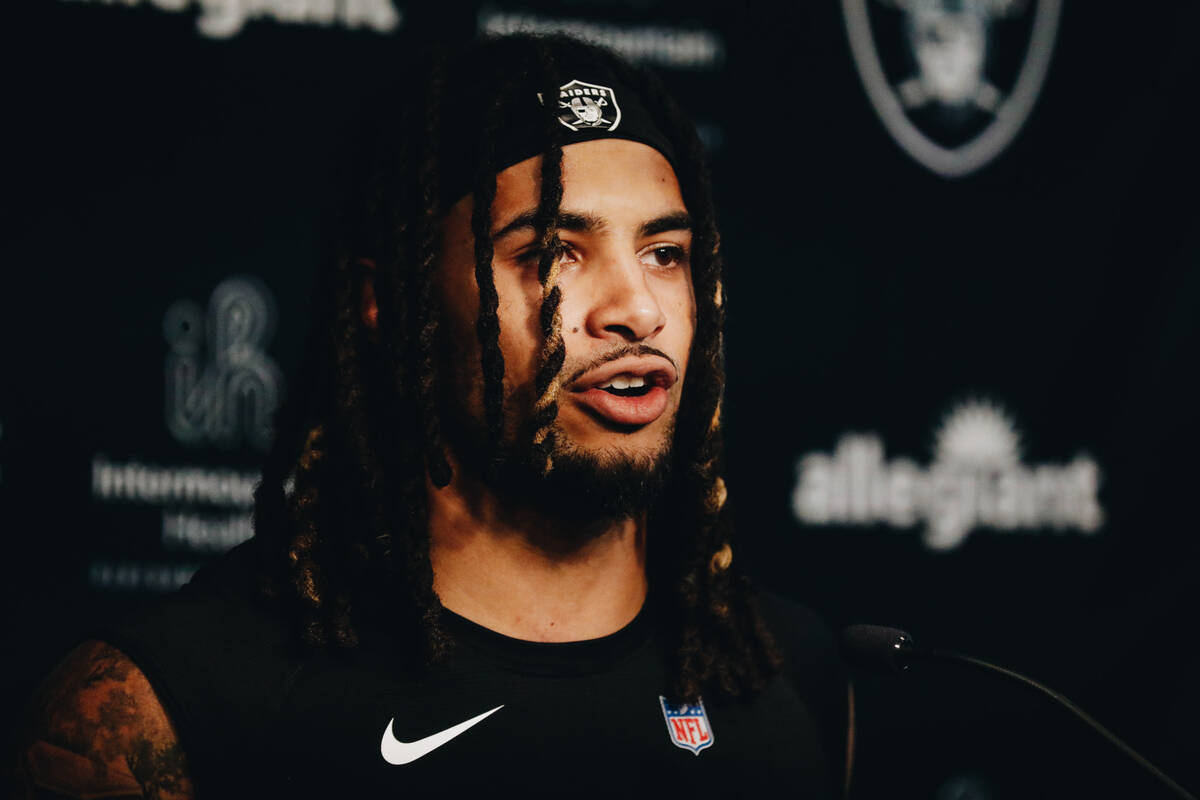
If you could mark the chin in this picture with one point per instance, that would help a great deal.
(609, 474)
(598, 473)
(608, 483)
(615, 448)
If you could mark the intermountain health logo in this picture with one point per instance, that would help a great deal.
(222, 388)
(976, 480)
(952, 80)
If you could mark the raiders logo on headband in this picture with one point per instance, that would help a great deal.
(583, 106)
(589, 110)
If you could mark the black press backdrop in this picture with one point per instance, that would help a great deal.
(960, 395)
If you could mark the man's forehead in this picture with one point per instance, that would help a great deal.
(600, 179)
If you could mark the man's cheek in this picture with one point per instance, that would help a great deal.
(520, 343)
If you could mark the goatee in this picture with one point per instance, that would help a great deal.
(590, 487)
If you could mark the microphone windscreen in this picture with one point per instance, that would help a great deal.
(877, 647)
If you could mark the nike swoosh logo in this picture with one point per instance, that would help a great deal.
(397, 752)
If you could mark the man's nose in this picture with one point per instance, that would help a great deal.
(625, 304)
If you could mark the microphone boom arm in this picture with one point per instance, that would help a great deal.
(960, 658)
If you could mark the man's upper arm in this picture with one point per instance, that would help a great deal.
(97, 729)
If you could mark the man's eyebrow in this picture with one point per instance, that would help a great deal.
(678, 221)
(567, 221)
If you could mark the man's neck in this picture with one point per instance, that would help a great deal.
(526, 574)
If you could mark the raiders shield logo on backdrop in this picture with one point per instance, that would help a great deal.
(952, 80)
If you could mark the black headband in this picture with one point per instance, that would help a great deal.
(593, 104)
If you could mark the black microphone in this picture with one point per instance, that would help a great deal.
(878, 648)
(893, 650)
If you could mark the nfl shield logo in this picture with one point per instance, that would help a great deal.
(687, 725)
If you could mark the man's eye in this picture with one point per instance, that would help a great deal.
(533, 255)
(566, 253)
(664, 255)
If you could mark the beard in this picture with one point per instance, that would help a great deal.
(607, 486)
(583, 485)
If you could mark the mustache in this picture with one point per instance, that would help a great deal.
(613, 355)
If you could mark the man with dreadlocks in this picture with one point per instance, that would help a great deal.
(493, 543)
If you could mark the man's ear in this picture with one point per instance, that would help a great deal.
(368, 307)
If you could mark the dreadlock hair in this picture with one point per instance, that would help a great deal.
(341, 512)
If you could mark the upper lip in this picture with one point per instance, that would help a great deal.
(656, 370)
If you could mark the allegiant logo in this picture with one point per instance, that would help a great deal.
(976, 480)
(220, 19)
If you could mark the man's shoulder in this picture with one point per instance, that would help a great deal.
(235, 574)
(220, 622)
(804, 637)
(222, 596)
(96, 728)
(813, 664)
(218, 655)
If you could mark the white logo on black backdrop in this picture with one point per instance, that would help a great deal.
(952, 80)
(670, 46)
(976, 479)
(230, 396)
(221, 19)
(222, 389)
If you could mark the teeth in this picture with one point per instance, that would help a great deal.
(624, 382)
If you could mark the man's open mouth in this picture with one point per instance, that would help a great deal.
(628, 392)
(628, 385)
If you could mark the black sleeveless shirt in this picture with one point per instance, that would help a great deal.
(259, 715)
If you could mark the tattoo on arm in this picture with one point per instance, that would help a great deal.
(96, 728)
